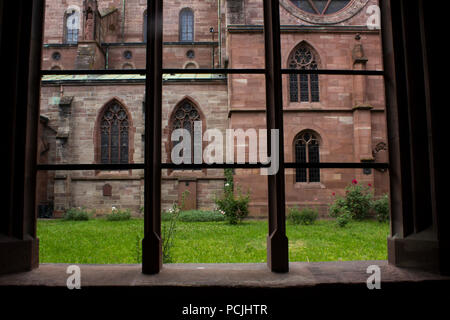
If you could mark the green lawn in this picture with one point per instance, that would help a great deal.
(103, 242)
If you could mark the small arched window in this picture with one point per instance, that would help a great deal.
(303, 87)
(186, 25)
(71, 26)
(306, 150)
(114, 135)
(184, 117)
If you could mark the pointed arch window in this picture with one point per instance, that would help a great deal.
(71, 27)
(184, 117)
(307, 151)
(186, 25)
(114, 134)
(303, 87)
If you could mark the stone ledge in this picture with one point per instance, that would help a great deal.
(250, 275)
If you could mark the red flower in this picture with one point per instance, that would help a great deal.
(334, 193)
(355, 181)
(370, 185)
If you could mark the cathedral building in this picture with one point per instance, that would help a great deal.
(99, 118)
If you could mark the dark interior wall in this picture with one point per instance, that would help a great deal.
(20, 43)
(413, 44)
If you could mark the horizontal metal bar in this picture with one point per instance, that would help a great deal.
(334, 72)
(213, 71)
(91, 166)
(92, 72)
(135, 166)
(220, 71)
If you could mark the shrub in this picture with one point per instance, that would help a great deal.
(119, 215)
(305, 216)
(357, 201)
(343, 219)
(381, 208)
(77, 214)
(196, 216)
(233, 208)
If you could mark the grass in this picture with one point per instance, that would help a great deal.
(103, 242)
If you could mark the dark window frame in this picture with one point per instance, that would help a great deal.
(277, 251)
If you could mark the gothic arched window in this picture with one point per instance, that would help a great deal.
(184, 117)
(321, 7)
(114, 127)
(307, 151)
(303, 87)
(186, 25)
(71, 26)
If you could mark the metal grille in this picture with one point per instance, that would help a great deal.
(114, 135)
(303, 59)
(307, 150)
(186, 25)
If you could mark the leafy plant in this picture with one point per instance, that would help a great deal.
(343, 219)
(233, 208)
(118, 215)
(357, 201)
(77, 214)
(306, 216)
(168, 230)
(381, 208)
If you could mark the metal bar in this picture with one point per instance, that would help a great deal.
(151, 244)
(214, 71)
(138, 166)
(277, 242)
(75, 167)
(334, 72)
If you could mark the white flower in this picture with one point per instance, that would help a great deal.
(227, 184)
(113, 209)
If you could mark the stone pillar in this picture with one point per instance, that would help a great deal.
(362, 117)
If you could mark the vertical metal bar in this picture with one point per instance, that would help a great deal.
(277, 242)
(151, 244)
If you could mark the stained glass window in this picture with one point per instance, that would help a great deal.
(321, 7)
(114, 134)
(307, 150)
(184, 117)
(186, 25)
(307, 85)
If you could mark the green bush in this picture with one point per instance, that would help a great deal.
(357, 201)
(343, 219)
(195, 216)
(306, 216)
(77, 214)
(381, 208)
(233, 208)
(119, 215)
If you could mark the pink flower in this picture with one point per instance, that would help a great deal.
(355, 181)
